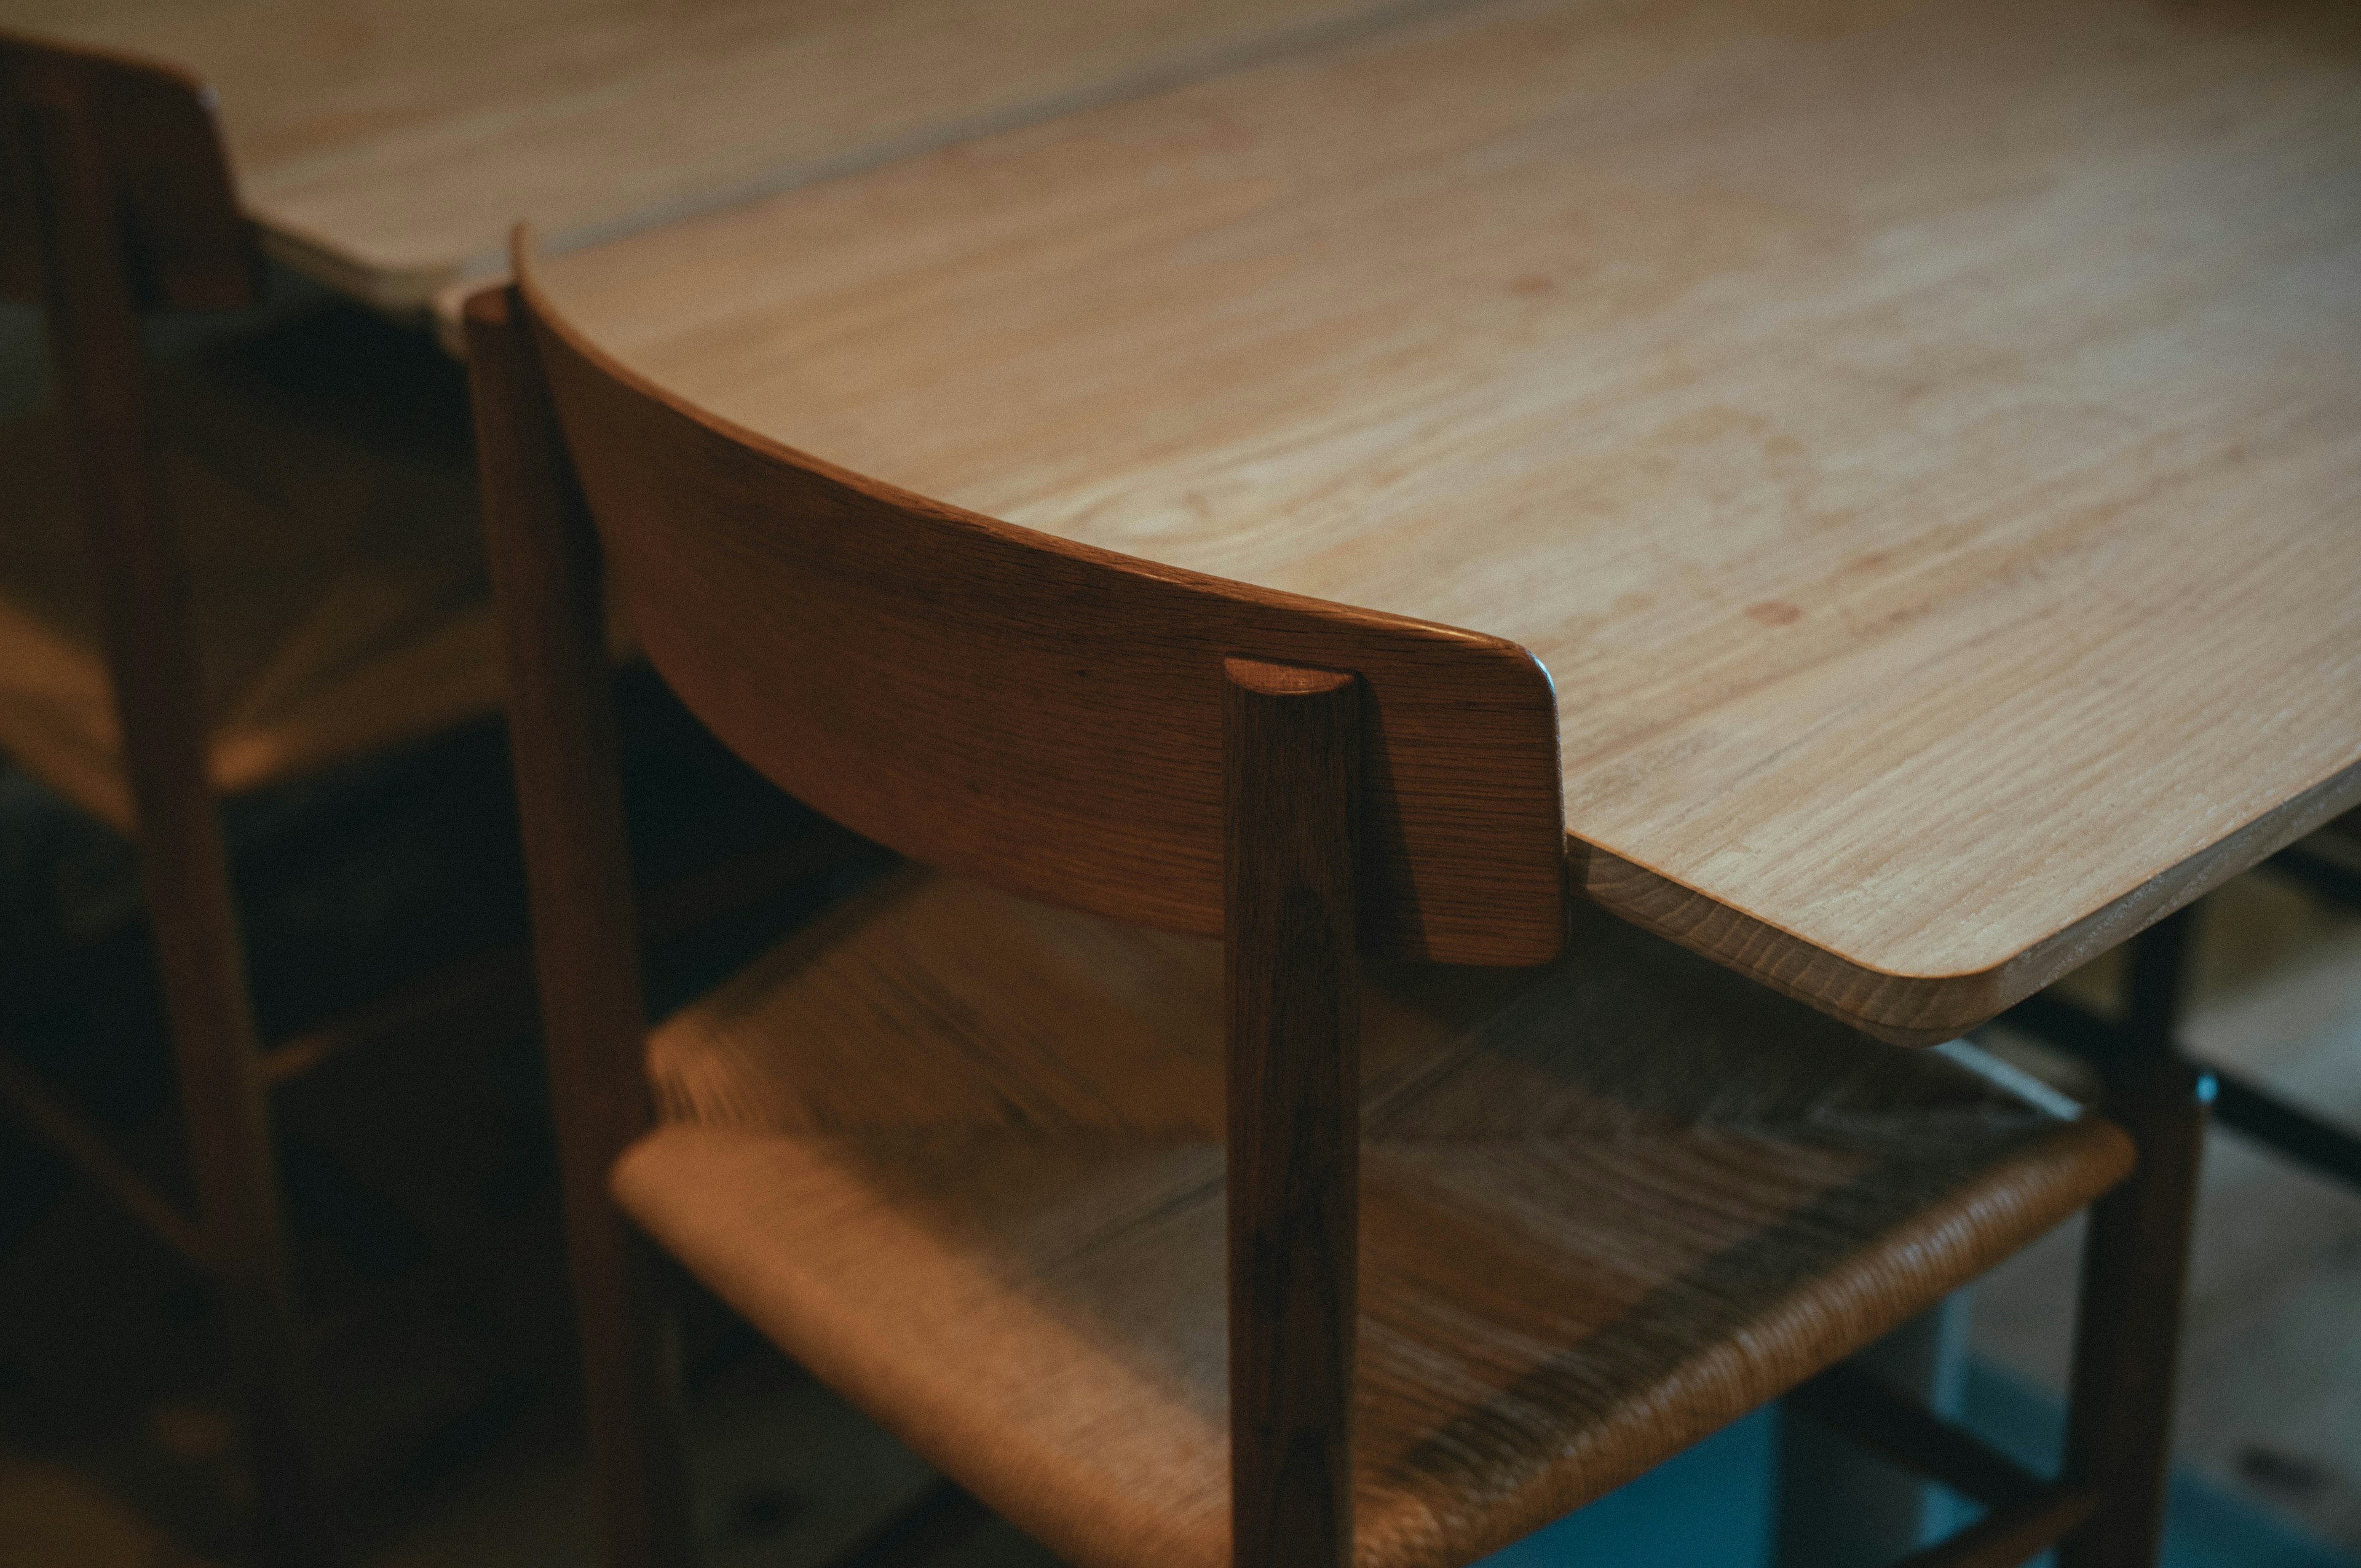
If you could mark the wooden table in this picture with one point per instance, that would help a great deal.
(387, 145)
(1923, 441)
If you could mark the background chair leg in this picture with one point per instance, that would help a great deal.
(2135, 1267)
(159, 700)
(631, 1380)
(222, 1101)
(1291, 986)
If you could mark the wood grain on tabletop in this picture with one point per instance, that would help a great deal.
(1922, 440)
(385, 146)
(68, 134)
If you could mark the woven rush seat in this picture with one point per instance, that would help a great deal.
(323, 494)
(961, 1154)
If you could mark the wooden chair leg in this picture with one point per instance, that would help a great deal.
(2135, 1265)
(160, 703)
(632, 1382)
(545, 560)
(224, 1105)
(1290, 739)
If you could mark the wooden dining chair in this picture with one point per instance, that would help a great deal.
(1211, 1148)
(212, 582)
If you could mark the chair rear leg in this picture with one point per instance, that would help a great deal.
(545, 566)
(224, 1105)
(2134, 1268)
(159, 700)
(631, 1380)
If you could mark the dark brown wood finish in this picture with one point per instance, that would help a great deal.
(91, 293)
(1081, 762)
(546, 568)
(1292, 977)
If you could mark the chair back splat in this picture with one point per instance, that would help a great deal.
(1039, 714)
(153, 131)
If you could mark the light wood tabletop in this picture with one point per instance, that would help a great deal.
(1922, 440)
(385, 146)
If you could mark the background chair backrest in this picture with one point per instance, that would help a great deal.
(191, 249)
(1036, 713)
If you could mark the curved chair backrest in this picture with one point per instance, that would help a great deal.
(1036, 713)
(157, 140)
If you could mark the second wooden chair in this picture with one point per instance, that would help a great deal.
(215, 578)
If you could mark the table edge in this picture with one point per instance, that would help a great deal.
(1912, 1009)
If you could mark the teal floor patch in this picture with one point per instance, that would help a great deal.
(1710, 1506)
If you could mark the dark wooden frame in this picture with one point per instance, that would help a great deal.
(116, 202)
(730, 603)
